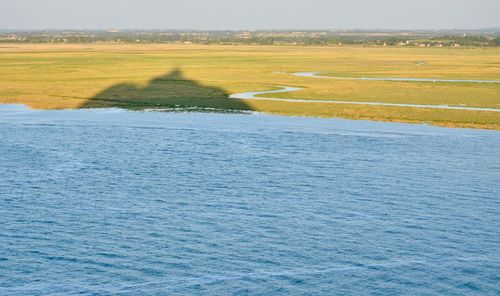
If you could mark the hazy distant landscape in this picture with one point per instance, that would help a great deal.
(437, 38)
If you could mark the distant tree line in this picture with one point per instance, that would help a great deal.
(318, 38)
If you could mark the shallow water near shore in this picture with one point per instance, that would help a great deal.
(109, 201)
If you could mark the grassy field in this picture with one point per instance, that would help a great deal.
(155, 76)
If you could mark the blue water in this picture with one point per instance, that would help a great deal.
(106, 202)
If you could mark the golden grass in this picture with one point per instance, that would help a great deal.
(48, 76)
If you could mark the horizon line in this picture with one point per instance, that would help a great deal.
(250, 29)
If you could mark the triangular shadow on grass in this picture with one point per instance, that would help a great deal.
(171, 90)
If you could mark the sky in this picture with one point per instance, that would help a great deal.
(249, 14)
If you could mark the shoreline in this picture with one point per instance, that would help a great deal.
(25, 107)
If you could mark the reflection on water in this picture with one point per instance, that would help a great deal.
(108, 201)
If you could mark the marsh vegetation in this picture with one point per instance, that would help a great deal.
(50, 76)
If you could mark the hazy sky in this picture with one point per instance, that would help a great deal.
(249, 14)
